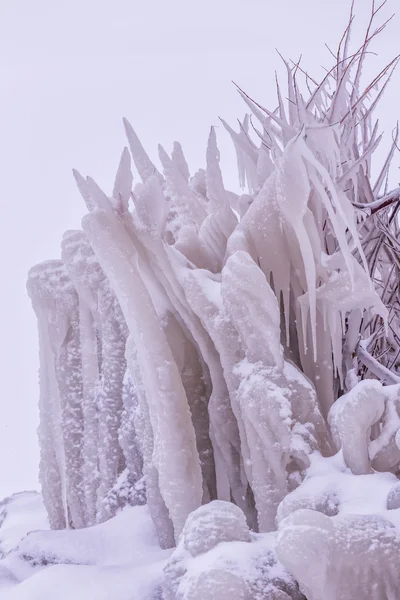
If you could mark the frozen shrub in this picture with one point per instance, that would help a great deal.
(221, 347)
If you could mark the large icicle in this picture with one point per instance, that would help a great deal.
(179, 480)
(60, 432)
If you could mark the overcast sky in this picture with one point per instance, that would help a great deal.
(70, 70)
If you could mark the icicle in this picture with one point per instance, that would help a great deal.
(179, 161)
(123, 181)
(187, 205)
(180, 480)
(293, 191)
(83, 189)
(142, 162)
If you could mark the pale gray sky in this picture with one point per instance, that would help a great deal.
(69, 70)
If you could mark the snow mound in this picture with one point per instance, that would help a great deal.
(350, 521)
(19, 514)
(223, 522)
(117, 560)
(331, 488)
(364, 550)
(218, 558)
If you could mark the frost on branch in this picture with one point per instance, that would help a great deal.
(233, 358)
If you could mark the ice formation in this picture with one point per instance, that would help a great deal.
(219, 558)
(220, 356)
(341, 557)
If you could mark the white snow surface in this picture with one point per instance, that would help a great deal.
(217, 557)
(350, 521)
(19, 514)
(121, 559)
(117, 560)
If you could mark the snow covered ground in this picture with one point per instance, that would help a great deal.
(117, 560)
(332, 515)
(121, 559)
(20, 514)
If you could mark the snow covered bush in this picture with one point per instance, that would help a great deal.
(236, 356)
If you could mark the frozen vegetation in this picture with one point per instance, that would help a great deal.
(220, 372)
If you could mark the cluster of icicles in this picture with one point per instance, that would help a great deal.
(193, 340)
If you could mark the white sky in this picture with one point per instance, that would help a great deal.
(69, 70)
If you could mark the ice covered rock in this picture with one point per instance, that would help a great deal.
(383, 449)
(329, 487)
(351, 419)
(218, 558)
(364, 424)
(393, 499)
(346, 557)
(324, 501)
(223, 522)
